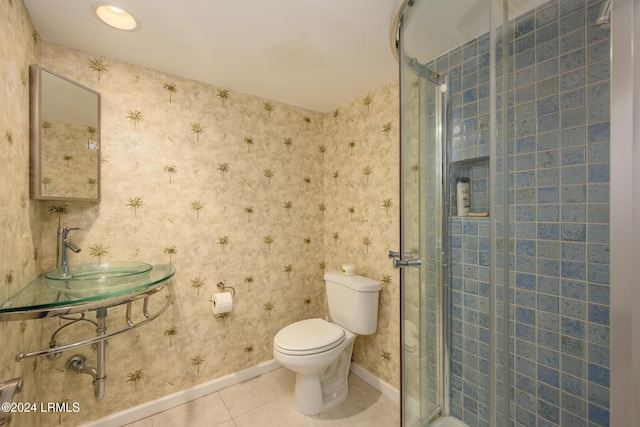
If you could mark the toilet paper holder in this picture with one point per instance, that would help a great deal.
(221, 285)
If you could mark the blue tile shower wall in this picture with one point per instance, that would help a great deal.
(559, 225)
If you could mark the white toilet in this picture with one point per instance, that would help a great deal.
(319, 352)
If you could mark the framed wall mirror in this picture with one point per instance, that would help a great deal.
(65, 138)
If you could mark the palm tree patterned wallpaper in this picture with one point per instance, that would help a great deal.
(19, 216)
(227, 187)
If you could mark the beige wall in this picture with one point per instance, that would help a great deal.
(160, 161)
(18, 214)
(333, 174)
(362, 219)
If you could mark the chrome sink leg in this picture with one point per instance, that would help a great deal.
(77, 363)
(100, 382)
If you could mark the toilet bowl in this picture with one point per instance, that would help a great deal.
(319, 352)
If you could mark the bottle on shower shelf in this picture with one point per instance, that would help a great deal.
(463, 196)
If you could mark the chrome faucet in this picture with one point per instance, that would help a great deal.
(63, 244)
(7, 390)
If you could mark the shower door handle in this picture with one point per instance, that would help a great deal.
(396, 255)
(400, 263)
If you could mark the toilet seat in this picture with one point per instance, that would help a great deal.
(307, 337)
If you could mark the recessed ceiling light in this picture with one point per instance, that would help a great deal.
(115, 17)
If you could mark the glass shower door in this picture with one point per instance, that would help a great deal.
(456, 330)
(422, 228)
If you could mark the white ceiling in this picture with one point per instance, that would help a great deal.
(317, 54)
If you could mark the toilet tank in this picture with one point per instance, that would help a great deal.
(353, 301)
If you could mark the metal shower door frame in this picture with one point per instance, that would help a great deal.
(443, 197)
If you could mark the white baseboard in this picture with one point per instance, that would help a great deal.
(382, 386)
(170, 401)
(164, 403)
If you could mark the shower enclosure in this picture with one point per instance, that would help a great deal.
(505, 312)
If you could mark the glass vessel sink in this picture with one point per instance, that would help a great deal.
(89, 287)
(98, 278)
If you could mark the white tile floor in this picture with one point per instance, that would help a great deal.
(267, 401)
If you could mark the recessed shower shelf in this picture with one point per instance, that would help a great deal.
(472, 161)
(477, 170)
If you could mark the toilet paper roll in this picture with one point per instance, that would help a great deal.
(221, 302)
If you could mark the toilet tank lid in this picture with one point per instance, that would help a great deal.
(356, 282)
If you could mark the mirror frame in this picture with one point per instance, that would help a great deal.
(35, 133)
